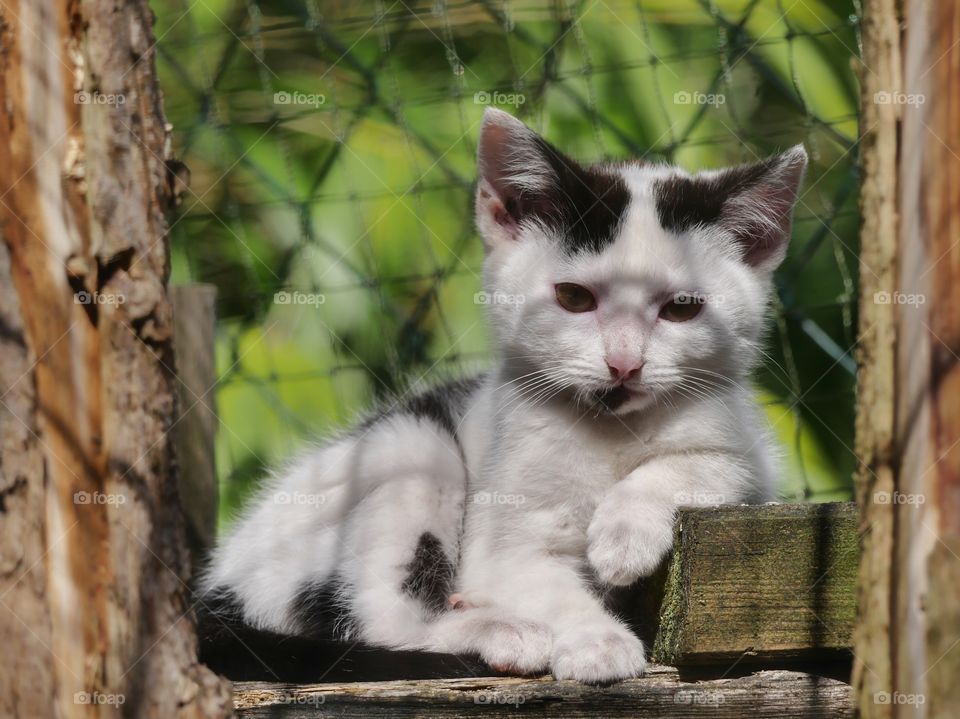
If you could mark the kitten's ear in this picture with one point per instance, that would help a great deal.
(516, 176)
(759, 207)
(753, 203)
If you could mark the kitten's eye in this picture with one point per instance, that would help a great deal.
(682, 307)
(574, 298)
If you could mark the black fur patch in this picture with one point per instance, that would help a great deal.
(220, 604)
(684, 202)
(444, 404)
(319, 611)
(430, 574)
(585, 206)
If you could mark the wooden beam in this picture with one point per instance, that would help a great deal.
(876, 387)
(195, 431)
(661, 693)
(908, 636)
(751, 583)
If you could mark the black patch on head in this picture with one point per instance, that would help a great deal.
(444, 404)
(685, 202)
(430, 574)
(584, 206)
(319, 610)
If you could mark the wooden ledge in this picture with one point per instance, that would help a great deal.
(661, 693)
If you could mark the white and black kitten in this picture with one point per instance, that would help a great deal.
(627, 305)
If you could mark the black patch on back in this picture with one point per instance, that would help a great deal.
(585, 206)
(685, 202)
(430, 574)
(319, 610)
(444, 404)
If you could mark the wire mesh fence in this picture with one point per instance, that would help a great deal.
(332, 152)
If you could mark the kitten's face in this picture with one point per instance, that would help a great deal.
(620, 286)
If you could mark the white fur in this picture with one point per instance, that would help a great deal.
(539, 492)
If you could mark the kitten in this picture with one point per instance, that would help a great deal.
(627, 303)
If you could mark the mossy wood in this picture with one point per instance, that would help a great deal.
(760, 583)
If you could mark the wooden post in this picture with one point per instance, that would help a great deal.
(194, 314)
(907, 642)
(94, 565)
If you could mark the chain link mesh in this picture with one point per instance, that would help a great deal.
(332, 145)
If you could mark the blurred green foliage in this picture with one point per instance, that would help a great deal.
(332, 147)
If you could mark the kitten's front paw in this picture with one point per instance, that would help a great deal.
(516, 646)
(598, 654)
(623, 546)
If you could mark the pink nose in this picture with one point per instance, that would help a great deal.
(623, 369)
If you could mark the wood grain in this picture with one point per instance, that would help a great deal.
(195, 432)
(85, 191)
(661, 693)
(760, 583)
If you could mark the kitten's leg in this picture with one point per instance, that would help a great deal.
(632, 528)
(401, 540)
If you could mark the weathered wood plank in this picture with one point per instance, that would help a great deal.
(195, 431)
(875, 446)
(908, 635)
(760, 583)
(662, 693)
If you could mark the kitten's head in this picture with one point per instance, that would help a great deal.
(617, 284)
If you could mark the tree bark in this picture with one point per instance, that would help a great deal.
(908, 640)
(94, 560)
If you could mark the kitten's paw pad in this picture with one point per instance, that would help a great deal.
(516, 646)
(598, 655)
(623, 550)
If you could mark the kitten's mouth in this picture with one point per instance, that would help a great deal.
(612, 398)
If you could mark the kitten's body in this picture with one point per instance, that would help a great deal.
(526, 490)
